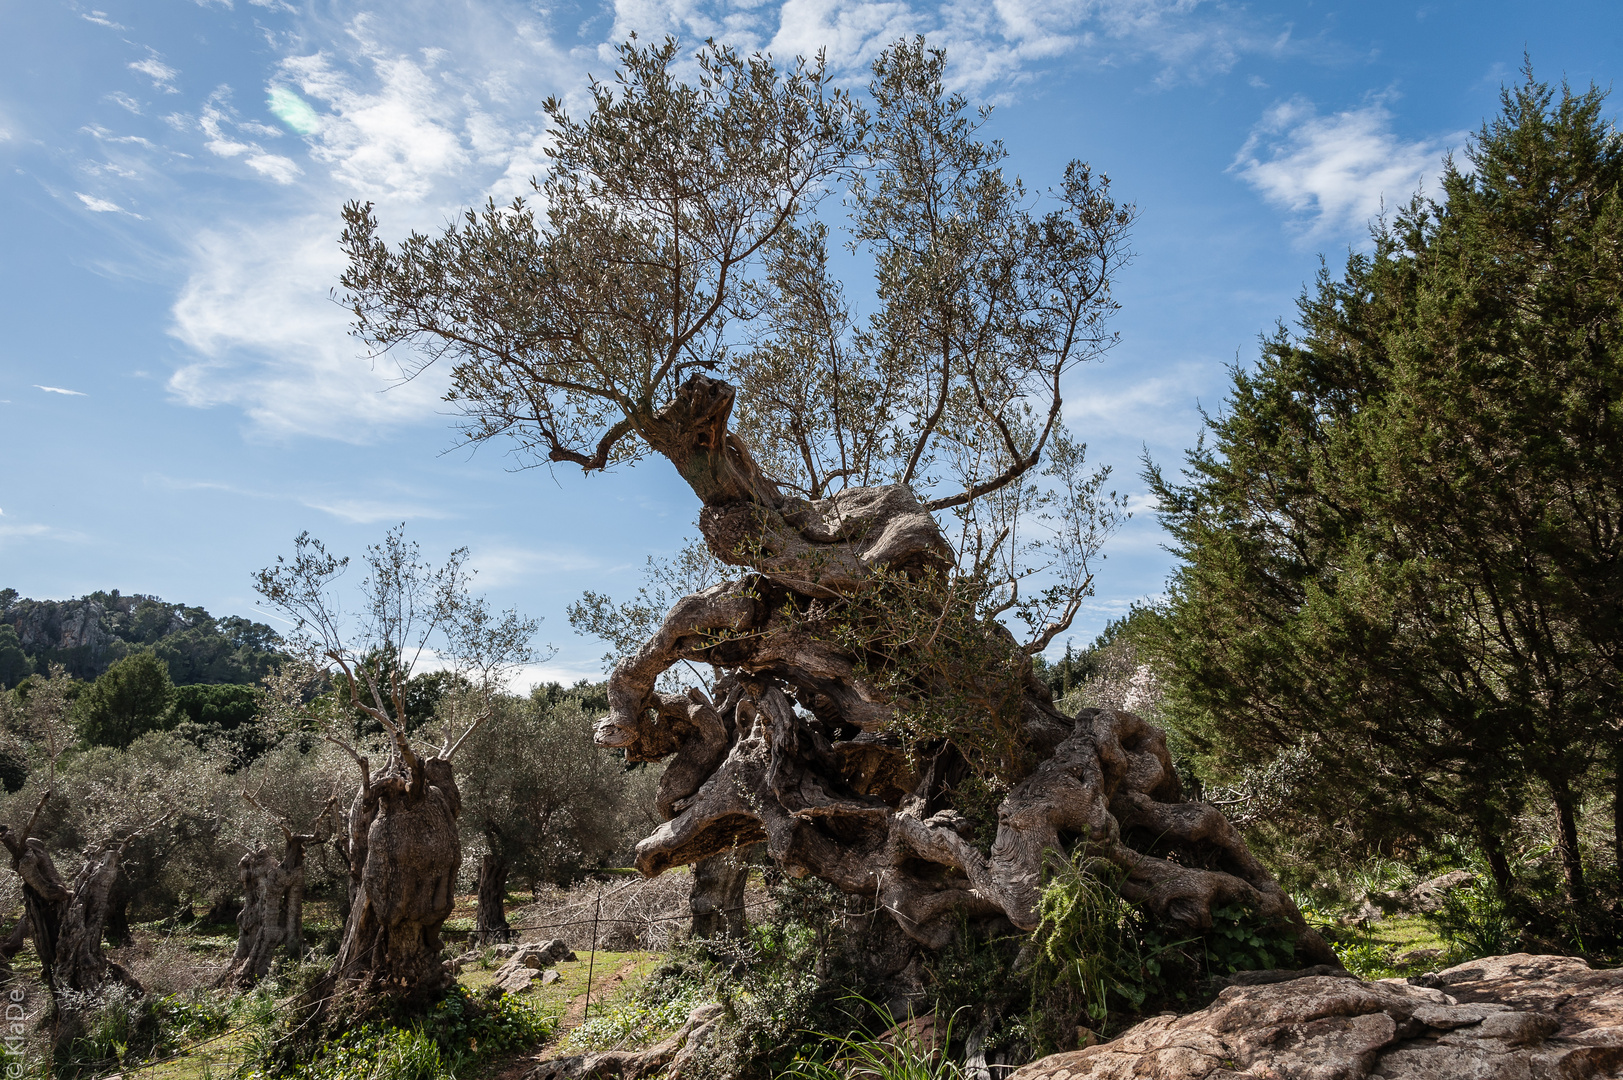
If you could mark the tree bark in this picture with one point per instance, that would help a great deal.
(1566, 824)
(491, 919)
(717, 899)
(272, 916)
(404, 854)
(798, 747)
(68, 922)
(11, 946)
(1492, 844)
(1617, 805)
(118, 911)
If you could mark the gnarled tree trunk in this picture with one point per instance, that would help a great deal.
(798, 749)
(403, 854)
(491, 919)
(67, 921)
(272, 916)
(717, 899)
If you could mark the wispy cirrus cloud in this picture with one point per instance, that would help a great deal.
(1332, 174)
(267, 338)
(97, 205)
(162, 75)
(986, 43)
(505, 565)
(60, 390)
(419, 131)
(358, 511)
(404, 505)
(215, 120)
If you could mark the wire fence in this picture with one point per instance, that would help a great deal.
(293, 1002)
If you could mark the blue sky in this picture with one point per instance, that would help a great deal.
(178, 395)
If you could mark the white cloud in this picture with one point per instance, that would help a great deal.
(421, 132)
(1333, 173)
(370, 511)
(103, 135)
(60, 390)
(100, 19)
(269, 339)
(505, 565)
(215, 118)
(105, 206)
(162, 75)
(276, 167)
(399, 137)
(986, 42)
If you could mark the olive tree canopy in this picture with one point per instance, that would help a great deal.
(892, 484)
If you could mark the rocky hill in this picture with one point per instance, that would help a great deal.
(90, 633)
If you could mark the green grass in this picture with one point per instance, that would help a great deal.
(1371, 952)
(571, 982)
(625, 1021)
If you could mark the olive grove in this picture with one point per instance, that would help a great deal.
(402, 847)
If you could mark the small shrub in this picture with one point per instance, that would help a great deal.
(1473, 922)
(1366, 959)
(119, 1025)
(1241, 940)
(638, 1019)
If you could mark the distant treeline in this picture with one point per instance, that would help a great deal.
(90, 634)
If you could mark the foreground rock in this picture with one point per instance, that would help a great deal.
(671, 1058)
(1518, 1016)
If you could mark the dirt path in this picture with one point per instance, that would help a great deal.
(603, 986)
(602, 989)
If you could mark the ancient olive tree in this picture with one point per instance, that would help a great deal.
(272, 918)
(402, 844)
(893, 488)
(98, 806)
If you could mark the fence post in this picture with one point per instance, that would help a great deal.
(591, 956)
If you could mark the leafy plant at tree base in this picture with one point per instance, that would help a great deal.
(900, 1056)
(1098, 962)
(1089, 959)
(1239, 941)
(457, 1037)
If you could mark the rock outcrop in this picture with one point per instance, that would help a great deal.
(529, 963)
(1518, 1016)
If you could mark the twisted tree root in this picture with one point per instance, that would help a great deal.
(795, 749)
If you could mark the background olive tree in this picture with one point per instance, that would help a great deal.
(403, 845)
